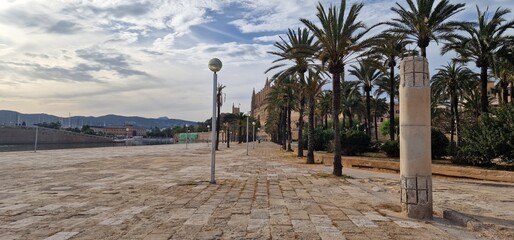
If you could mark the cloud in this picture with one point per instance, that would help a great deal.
(272, 38)
(64, 27)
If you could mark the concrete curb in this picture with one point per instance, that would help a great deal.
(437, 169)
(462, 220)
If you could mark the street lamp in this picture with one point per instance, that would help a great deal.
(258, 131)
(247, 119)
(253, 135)
(208, 127)
(126, 141)
(187, 133)
(215, 66)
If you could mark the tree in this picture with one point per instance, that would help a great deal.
(351, 101)
(218, 118)
(390, 47)
(367, 73)
(423, 22)
(298, 49)
(313, 86)
(480, 43)
(339, 38)
(379, 108)
(325, 100)
(450, 82)
(504, 71)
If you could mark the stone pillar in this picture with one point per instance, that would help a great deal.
(415, 138)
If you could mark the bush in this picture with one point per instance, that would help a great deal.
(354, 142)
(391, 148)
(491, 138)
(440, 144)
(322, 138)
(384, 127)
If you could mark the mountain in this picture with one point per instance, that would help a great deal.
(11, 118)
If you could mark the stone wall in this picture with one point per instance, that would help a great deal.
(14, 135)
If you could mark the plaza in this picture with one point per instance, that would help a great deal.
(163, 192)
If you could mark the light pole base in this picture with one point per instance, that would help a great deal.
(212, 182)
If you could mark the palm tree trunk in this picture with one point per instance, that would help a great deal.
(218, 125)
(350, 119)
(368, 113)
(289, 132)
(310, 145)
(228, 135)
(326, 121)
(376, 127)
(505, 92)
(240, 140)
(336, 106)
(423, 52)
(457, 119)
(512, 92)
(284, 128)
(483, 81)
(452, 119)
(300, 125)
(391, 103)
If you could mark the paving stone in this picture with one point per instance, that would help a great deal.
(183, 213)
(62, 236)
(374, 216)
(303, 226)
(198, 219)
(13, 207)
(259, 214)
(407, 224)
(298, 215)
(361, 221)
(24, 222)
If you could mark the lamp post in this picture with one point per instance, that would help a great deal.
(253, 135)
(215, 66)
(187, 133)
(247, 119)
(208, 127)
(258, 131)
(126, 141)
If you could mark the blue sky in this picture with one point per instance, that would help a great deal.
(149, 57)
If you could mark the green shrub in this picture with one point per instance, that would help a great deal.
(354, 142)
(384, 127)
(440, 144)
(322, 138)
(491, 138)
(391, 148)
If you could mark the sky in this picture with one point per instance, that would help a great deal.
(149, 57)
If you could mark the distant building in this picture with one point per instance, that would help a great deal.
(120, 131)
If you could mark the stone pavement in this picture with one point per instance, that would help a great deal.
(162, 192)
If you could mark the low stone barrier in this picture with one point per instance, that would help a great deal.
(437, 169)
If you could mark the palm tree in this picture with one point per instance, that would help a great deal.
(298, 49)
(504, 71)
(339, 38)
(367, 73)
(423, 22)
(281, 99)
(218, 119)
(313, 86)
(482, 42)
(351, 101)
(379, 107)
(325, 99)
(450, 82)
(390, 47)
(241, 119)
